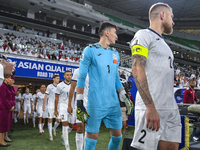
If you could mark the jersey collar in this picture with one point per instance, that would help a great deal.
(66, 83)
(54, 85)
(154, 32)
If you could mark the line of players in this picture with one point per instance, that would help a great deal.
(56, 101)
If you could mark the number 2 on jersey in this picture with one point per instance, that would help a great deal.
(108, 68)
(140, 140)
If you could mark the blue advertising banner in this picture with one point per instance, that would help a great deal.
(37, 69)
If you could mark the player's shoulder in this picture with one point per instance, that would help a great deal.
(60, 84)
(76, 71)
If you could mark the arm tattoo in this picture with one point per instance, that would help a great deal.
(139, 62)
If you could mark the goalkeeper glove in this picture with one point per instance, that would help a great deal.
(128, 102)
(81, 109)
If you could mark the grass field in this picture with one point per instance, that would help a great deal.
(25, 137)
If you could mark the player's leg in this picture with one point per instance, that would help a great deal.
(65, 134)
(113, 120)
(50, 129)
(25, 110)
(29, 112)
(92, 127)
(70, 119)
(33, 118)
(56, 124)
(164, 145)
(40, 123)
(171, 136)
(18, 109)
(115, 140)
(79, 135)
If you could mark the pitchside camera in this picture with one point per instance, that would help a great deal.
(8, 60)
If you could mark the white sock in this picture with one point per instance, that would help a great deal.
(79, 141)
(40, 127)
(33, 119)
(24, 118)
(18, 114)
(65, 134)
(56, 124)
(69, 129)
(28, 116)
(15, 117)
(50, 129)
(85, 138)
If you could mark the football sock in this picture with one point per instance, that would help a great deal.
(33, 119)
(40, 127)
(114, 142)
(56, 124)
(79, 141)
(69, 129)
(65, 134)
(90, 144)
(50, 129)
(24, 117)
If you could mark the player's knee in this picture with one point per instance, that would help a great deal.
(50, 120)
(65, 123)
(58, 120)
(79, 129)
(71, 125)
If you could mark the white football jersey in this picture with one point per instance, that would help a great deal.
(34, 97)
(40, 97)
(63, 92)
(86, 88)
(19, 97)
(159, 69)
(27, 98)
(50, 91)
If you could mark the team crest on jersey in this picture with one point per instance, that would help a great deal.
(114, 56)
(82, 57)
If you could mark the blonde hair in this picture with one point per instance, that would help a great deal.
(153, 11)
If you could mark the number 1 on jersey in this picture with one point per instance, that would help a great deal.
(108, 69)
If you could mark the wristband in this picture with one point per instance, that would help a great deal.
(79, 96)
(122, 92)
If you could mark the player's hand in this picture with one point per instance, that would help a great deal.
(12, 108)
(197, 100)
(152, 118)
(15, 107)
(43, 107)
(129, 104)
(81, 111)
(56, 113)
(70, 110)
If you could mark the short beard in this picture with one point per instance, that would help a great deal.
(167, 28)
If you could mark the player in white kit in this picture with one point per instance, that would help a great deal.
(38, 108)
(33, 113)
(80, 126)
(50, 93)
(18, 98)
(26, 104)
(61, 104)
(157, 118)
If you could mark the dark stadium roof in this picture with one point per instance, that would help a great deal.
(185, 11)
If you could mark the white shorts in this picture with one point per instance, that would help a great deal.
(41, 113)
(27, 108)
(51, 113)
(65, 116)
(170, 129)
(18, 107)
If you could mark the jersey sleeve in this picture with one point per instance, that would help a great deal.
(118, 82)
(37, 96)
(58, 90)
(75, 75)
(140, 44)
(47, 90)
(85, 61)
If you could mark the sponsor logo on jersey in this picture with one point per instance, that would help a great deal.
(114, 56)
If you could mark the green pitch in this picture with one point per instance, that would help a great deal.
(25, 137)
